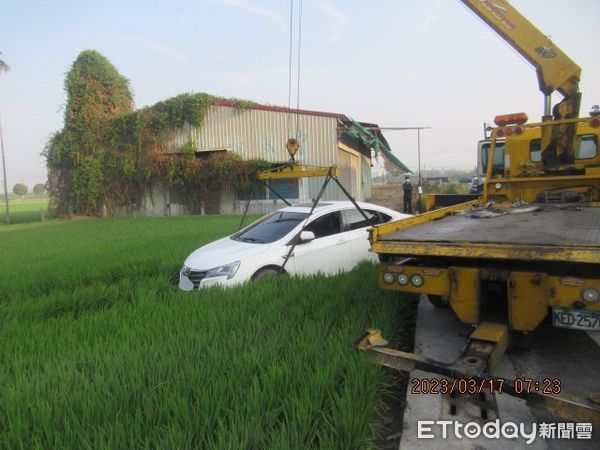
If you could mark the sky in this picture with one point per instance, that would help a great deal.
(397, 63)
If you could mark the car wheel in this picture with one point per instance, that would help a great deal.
(439, 301)
(267, 272)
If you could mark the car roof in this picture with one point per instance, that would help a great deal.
(334, 205)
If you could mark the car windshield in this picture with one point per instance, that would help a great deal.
(271, 227)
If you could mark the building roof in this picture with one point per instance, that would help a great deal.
(250, 105)
(369, 135)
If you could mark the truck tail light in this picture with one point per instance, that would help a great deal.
(590, 295)
(388, 277)
(402, 279)
(417, 280)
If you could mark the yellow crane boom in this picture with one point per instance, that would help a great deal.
(555, 72)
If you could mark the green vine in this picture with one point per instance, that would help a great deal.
(108, 155)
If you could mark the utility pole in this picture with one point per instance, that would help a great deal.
(3, 68)
(4, 175)
(419, 188)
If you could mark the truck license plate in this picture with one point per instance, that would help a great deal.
(576, 319)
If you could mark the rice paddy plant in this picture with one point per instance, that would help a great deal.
(23, 211)
(41, 258)
(101, 350)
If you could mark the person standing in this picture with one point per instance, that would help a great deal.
(407, 187)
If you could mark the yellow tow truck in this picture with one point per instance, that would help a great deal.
(528, 247)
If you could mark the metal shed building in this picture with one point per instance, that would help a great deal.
(261, 132)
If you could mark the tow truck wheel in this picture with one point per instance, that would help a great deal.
(439, 301)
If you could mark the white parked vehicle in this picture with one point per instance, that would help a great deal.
(335, 239)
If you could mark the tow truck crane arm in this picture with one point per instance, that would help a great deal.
(555, 72)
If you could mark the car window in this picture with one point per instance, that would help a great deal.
(354, 219)
(498, 156)
(271, 227)
(325, 225)
(384, 217)
(586, 147)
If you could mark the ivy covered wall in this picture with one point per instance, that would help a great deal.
(108, 155)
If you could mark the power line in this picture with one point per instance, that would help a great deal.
(299, 54)
(290, 54)
(298, 63)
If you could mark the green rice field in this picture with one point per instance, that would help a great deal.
(101, 350)
(23, 210)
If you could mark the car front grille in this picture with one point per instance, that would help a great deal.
(196, 276)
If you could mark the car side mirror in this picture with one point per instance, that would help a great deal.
(306, 236)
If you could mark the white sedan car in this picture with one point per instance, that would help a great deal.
(334, 239)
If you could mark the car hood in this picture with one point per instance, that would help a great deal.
(221, 252)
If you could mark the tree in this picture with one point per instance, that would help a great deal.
(20, 189)
(96, 93)
(39, 188)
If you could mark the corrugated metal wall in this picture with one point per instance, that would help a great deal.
(262, 134)
(348, 172)
(253, 133)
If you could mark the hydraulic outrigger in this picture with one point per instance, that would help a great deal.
(484, 348)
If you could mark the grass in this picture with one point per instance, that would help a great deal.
(23, 210)
(101, 350)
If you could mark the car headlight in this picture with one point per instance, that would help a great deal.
(186, 271)
(228, 270)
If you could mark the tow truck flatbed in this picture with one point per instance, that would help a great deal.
(534, 232)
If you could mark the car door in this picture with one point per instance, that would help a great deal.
(329, 253)
(356, 227)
